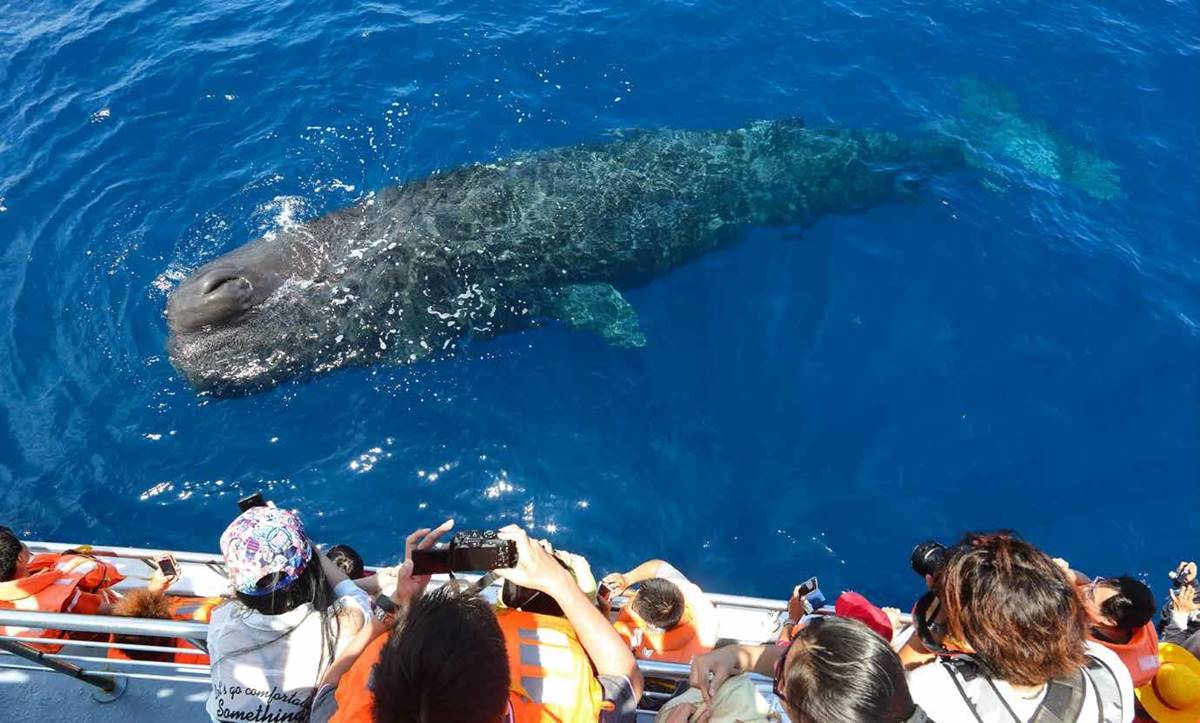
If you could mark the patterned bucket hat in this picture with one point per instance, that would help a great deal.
(263, 541)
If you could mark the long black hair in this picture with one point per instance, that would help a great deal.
(841, 670)
(311, 587)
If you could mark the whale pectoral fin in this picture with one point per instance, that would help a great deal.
(598, 308)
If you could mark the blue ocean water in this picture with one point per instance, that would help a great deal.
(1011, 354)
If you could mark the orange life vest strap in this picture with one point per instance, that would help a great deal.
(49, 588)
(197, 609)
(100, 576)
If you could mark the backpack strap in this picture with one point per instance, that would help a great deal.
(1063, 701)
(963, 673)
(1110, 700)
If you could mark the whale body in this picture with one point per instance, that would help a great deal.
(482, 250)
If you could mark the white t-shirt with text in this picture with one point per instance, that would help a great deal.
(274, 682)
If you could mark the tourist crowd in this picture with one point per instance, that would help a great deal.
(1004, 633)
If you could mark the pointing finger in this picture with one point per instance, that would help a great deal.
(411, 541)
(432, 536)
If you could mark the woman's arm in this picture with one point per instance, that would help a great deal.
(407, 587)
(343, 587)
(345, 660)
(608, 651)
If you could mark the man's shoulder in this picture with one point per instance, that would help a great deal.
(933, 689)
(691, 591)
(667, 571)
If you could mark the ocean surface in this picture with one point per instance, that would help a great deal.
(1018, 349)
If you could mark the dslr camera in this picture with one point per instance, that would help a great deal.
(928, 557)
(251, 501)
(467, 551)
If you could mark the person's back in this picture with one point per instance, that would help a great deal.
(451, 659)
(1011, 637)
(550, 673)
(270, 646)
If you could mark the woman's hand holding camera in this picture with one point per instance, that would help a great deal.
(405, 585)
(536, 568)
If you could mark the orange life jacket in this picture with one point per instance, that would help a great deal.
(355, 701)
(197, 609)
(677, 645)
(1140, 654)
(50, 586)
(551, 677)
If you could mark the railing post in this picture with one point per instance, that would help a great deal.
(107, 685)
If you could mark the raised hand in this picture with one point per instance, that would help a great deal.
(1184, 599)
(410, 586)
(616, 582)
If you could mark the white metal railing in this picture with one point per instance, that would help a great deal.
(128, 553)
(88, 660)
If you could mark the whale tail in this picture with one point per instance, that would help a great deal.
(1001, 139)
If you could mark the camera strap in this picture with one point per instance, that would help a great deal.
(481, 584)
(926, 608)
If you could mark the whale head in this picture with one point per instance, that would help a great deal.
(282, 306)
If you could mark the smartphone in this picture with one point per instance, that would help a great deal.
(167, 566)
(810, 592)
(603, 592)
(807, 587)
(249, 502)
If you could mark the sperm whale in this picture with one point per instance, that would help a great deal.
(410, 271)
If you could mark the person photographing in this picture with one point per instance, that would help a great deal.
(1003, 638)
(449, 656)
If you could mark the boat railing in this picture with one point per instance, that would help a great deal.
(85, 654)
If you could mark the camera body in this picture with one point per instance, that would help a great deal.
(1183, 575)
(251, 501)
(468, 550)
(928, 557)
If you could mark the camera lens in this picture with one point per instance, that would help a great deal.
(928, 557)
